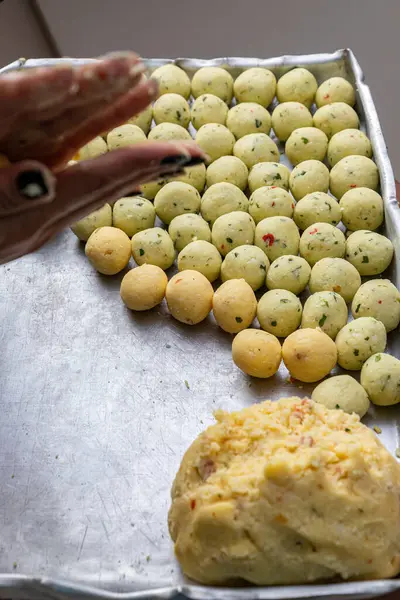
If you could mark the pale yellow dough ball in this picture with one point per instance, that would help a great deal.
(317, 207)
(255, 85)
(248, 263)
(362, 208)
(352, 172)
(176, 198)
(358, 340)
(143, 119)
(213, 80)
(171, 108)
(167, 132)
(108, 250)
(144, 287)
(153, 246)
(125, 135)
(234, 305)
(208, 108)
(380, 377)
(289, 116)
(232, 230)
(371, 253)
(256, 353)
(277, 236)
(380, 299)
(256, 148)
(290, 273)
(133, 214)
(348, 142)
(248, 117)
(270, 201)
(172, 79)
(336, 275)
(279, 312)
(189, 297)
(201, 256)
(298, 85)
(93, 149)
(309, 354)
(84, 228)
(220, 199)
(195, 176)
(322, 240)
(335, 117)
(271, 174)
(306, 143)
(307, 177)
(326, 311)
(335, 89)
(149, 190)
(342, 392)
(230, 169)
(187, 228)
(215, 140)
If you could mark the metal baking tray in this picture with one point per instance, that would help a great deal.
(99, 405)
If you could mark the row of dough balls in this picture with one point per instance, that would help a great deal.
(255, 84)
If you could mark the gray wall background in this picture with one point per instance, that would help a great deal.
(261, 28)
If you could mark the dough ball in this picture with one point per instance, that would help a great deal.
(166, 132)
(184, 229)
(325, 310)
(317, 207)
(342, 392)
(248, 117)
(380, 299)
(201, 256)
(133, 214)
(189, 297)
(270, 201)
(306, 143)
(336, 275)
(370, 252)
(348, 142)
(256, 353)
(149, 190)
(289, 116)
(222, 198)
(213, 80)
(84, 228)
(270, 174)
(380, 377)
(297, 85)
(307, 177)
(234, 305)
(143, 119)
(124, 135)
(248, 263)
(362, 208)
(335, 89)
(352, 172)
(108, 250)
(256, 148)
(195, 176)
(232, 230)
(144, 287)
(358, 340)
(172, 80)
(215, 140)
(309, 354)
(286, 492)
(230, 169)
(255, 85)
(322, 240)
(279, 312)
(153, 246)
(176, 198)
(208, 109)
(290, 273)
(277, 236)
(171, 108)
(335, 117)
(92, 149)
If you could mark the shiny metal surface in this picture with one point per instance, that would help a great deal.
(96, 413)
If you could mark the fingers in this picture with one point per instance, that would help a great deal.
(23, 184)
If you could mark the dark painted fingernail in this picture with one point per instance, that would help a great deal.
(31, 184)
(174, 172)
(194, 160)
(182, 160)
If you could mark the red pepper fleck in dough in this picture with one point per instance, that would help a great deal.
(293, 205)
(379, 301)
(273, 204)
(223, 247)
(337, 288)
(268, 238)
(313, 231)
(326, 96)
(353, 185)
(192, 504)
(178, 280)
(273, 187)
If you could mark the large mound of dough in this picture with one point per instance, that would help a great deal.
(286, 492)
